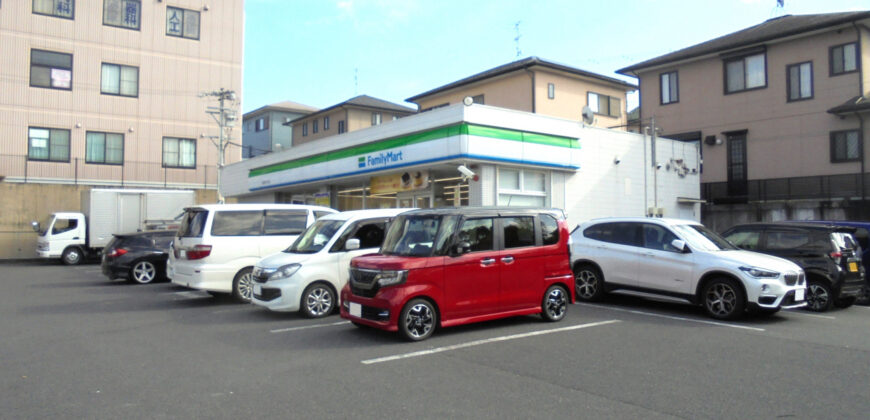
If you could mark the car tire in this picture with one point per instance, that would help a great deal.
(243, 285)
(723, 298)
(143, 272)
(845, 302)
(819, 296)
(588, 283)
(418, 320)
(554, 306)
(72, 255)
(318, 300)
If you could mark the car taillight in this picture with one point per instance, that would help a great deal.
(836, 255)
(198, 252)
(117, 252)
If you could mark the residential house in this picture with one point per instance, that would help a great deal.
(351, 115)
(264, 131)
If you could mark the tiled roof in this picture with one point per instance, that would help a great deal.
(364, 101)
(284, 106)
(854, 104)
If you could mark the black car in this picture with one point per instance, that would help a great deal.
(828, 254)
(138, 257)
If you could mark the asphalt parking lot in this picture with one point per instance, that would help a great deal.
(75, 345)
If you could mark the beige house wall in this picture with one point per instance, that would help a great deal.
(571, 95)
(512, 91)
(784, 139)
(334, 117)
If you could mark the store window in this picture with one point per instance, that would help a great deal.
(50, 69)
(179, 153)
(518, 187)
(119, 80)
(122, 13)
(57, 8)
(182, 23)
(107, 148)
(50, 144)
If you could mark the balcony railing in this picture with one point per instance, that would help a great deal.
(17, 168)
(825, 187)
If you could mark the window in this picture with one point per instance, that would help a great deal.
(182, 23)
(318, 214)
(744, 239)
(478, 233)
(304, 129)
(745, 73)
(617, 233)
(122, 13)
(285, 222)
(549, 229)
(376, 118)
(603, 104)
(518, 231)
(551, 91)
(50, 69)
(237, 223)
(179, 153)
(845, 146)
(658, 238)
(341, 128)
(104, 148)
(521, 188)
(58, 8)
(120, 80)
(325, 123)
(786, 239)
(477, 99)
(64, 225)
(395, 117)
(369, 232)
(314, 126)
(844, 59)
(669, 88)
(261, 124)
(800, 81)
(48, 144)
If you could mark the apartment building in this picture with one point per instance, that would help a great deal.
(541, 87)
(264, 130)
(106, 92)
(351, 115)
(781, 111)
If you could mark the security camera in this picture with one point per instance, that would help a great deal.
(468, 173)
(616, 160)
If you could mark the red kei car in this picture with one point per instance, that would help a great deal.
(445, 267)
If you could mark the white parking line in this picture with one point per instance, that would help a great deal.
(280, 330)
(812, 315)
(481, 342)
(678, 318)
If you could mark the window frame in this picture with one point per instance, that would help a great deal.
(71, 17)
(342, 127)
(742, 58)
(49, 159)
(788, 68)
(326, 123)
(71, 66)
(105, 148)
(831, 49)
(522, 191)
(305, 129)
(314, 126)
(178, 139)
(833, 139)
(120, 68)
(551, 91)
(183, 12)
(676, 81)
(123, 2)
(609, 101)
(377, 118)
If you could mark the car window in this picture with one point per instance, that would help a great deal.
(369, 232)
(861, 235)
(193, 224)
(626, 234)
(518, 231)
(658, 238)
(549, 229)
(237, 223)
(163, 241)
(478, 233)
(744, 239)
(844, 240)
(64, 225)
(315, 237)
(320, 213)
(138, 242)
(285, 222)
(417, 236)
(787, 239)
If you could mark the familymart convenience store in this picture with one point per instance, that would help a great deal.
(518, 159)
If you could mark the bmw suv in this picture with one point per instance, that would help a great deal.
(680, 259)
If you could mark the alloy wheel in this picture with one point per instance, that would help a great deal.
(419, 320)
(817, 297)
(556, 304)
(721, 299)
(246, 285)
(144, 272)
(586, 283)
(319, 302)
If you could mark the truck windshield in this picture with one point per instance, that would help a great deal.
(45, 224)
(315, 237)
(193, 224)
(416, 236)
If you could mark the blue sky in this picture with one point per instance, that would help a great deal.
(322, 52)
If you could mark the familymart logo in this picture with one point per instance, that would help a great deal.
(380, 159)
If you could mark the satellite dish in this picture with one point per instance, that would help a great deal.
(468, 100)
(588, 115)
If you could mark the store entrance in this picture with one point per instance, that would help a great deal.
(421, 200)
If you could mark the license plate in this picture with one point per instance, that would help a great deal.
(258, 290)
(799, 294)
(356, 310)
(853, 267)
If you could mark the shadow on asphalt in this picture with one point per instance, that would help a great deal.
(626, 302)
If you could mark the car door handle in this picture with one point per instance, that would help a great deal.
(487, 261)
(507, 260)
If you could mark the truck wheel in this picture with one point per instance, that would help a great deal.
(72, 256)
(243, 285)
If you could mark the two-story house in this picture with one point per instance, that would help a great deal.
(353, 114)
(540, 87)
(264, 129)
(781, 111)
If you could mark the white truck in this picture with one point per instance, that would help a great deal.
(73, 236)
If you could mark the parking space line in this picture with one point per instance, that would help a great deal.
(484, 341)
(280, 330)
(811, 315)
(678, 318)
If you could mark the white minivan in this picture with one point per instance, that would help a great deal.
(307, 276)
(217, 245)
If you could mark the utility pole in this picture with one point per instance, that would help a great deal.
(225, 117)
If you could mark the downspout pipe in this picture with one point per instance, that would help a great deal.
(532, 76)
(857, 114)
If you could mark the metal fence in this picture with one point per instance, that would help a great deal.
(825, 187)
(18, 168)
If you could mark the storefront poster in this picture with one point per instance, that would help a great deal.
(401, 181)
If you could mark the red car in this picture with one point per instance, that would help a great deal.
(453, 266)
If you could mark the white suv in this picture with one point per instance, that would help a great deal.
(681, 259)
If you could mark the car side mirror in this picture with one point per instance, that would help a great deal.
(35, 225)
(351, 244)
(680, 245)
(460, 248)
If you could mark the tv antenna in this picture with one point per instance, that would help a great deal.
(517, 38)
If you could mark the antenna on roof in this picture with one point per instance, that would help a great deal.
(355, 81)
(517, 38)
(778, 10)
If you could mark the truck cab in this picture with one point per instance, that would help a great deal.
(62, 235)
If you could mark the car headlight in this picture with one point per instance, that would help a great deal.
(285, 271)
(389, 278)
(760, 273)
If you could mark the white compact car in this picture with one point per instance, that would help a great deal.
(217, 245)
(681, 259)
(307, 276)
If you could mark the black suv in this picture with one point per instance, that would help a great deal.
(139, 257)
(828, 254)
